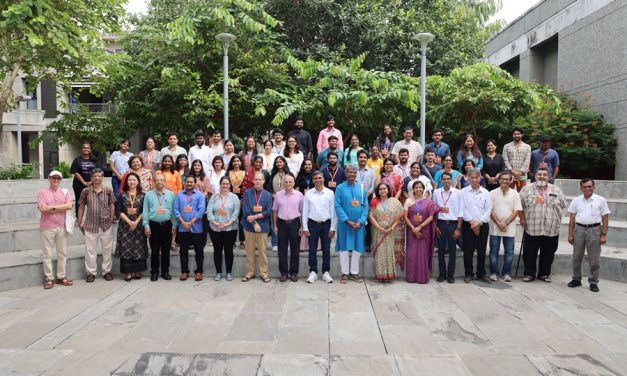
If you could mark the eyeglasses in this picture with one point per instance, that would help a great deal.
(55, 178)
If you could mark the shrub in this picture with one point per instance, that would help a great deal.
(16, 171)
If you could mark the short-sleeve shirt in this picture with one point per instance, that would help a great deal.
(120, 161)
(98, 215)
(414, 148)
(503, 204)
(590, 211)
(550, 158)
(84, 167)
(55, 219)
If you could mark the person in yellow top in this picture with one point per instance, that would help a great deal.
(172, 177)
(375, 162)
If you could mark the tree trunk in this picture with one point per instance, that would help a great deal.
(7, 87)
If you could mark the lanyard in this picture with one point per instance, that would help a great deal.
(160, 198)
(334, 173)
(223, 201)
(132, 198)
(450, 193)
(542, 192)
(362, 174)
(189, 198)
(385, 206)
(257, 199)
(418, 206)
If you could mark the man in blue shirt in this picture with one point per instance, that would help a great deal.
(159, 225)
(333, 174)
(439, 147)
(323, 157)
(256, 214)
(189, 208)
(545, 157)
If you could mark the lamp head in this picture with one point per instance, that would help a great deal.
(225, 38)
(424, 38)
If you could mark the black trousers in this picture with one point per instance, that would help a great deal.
(241, 228)
(472, 243)
(547, 246)
(160, 240)
(78, 189)
(185, 240)
(223, 240)
(288, 235)
(205, 230)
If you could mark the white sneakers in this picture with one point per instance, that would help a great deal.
(327, 277)
(507, 278)
(313, 277)
(493, 277)
(275, 248)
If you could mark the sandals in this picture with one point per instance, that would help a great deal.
(546, 278)
(355, 278)
(266, 279)
(344, 279)
(527, 278)
(128, 277)
(138, 275)
(108, 277)
(241, 245)
(90, 278)
(49, 284)
(247, 278)
(64, 281)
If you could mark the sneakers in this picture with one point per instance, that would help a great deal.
(217, 277)
(275, 248)
(574, 283)
(327, 277)
(594, 287)
(493, 277)
(507, 278)
(313, 277)
(441, 278)
(229, 277)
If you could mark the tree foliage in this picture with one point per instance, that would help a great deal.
(56, 39)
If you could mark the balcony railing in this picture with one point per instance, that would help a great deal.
(96, 107)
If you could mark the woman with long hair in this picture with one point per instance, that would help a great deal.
(392, 179)
(173, 180)
(468, 167)
(304, 181)
(248, 153)
(493, 164)
(222, 213)
(375, 162)
(229, 152)
(268, 155)
(469, 150)
(182, 165)
(421, 224)
(131, 246)
(250, 175)
(279, 171)
(81, 168)
(217, 171)
(416, 174)
(350, 154)
(236, 176)
(385, 141)
(447, 163)
(386, 219)
(203, 184)
(150, 156)
(136, 165)
(293, 156)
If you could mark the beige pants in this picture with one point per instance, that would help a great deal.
(105, 238)
(256, 240)
(56, 237)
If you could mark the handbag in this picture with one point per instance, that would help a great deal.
(69, 216)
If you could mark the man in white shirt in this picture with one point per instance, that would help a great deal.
(403, 168)
(200, 151)
(475, 228)
(414, 148)
(173, 147)
(319, 224)
(587, 230)
(449, 228)
(505, 208)
(216, 144)
(279, 142)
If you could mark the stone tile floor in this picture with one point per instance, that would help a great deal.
(235, 328)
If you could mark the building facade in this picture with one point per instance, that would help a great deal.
(577, 47)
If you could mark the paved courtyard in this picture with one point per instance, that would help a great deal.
(235, 328)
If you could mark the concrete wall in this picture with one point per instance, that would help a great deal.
(577, 47)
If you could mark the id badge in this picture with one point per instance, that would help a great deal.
(417, 218)
(161, 210)
(257, 208)
(355, 203)
(187, 209)
(539, 200)
(131, 211)
(444, 210)
(332, 184)
(221, 212)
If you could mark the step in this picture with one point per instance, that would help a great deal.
(617, 206)
(30, 187)
(20, 209)
(24, 269)
(616, 232)
(605, 188)
(22, 236)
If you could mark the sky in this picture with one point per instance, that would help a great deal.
(511, 8)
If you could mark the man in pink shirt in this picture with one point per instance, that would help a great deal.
(286, 212)
(330, 130)
(53, 202)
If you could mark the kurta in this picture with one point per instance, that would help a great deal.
(420, 251)
(351, 204)
(387, 249)
(131, 246)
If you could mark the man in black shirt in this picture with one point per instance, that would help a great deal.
(302, 137)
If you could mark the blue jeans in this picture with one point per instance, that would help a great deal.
(115, 183)
(508, 245)
(319, 231)
(447, 228)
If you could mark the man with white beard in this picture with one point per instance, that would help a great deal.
(541, 217)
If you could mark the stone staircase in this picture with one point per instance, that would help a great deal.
(20, 245)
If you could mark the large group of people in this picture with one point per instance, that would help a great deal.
(398, 200)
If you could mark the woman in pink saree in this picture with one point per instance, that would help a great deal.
(386, 217)
(419, 217)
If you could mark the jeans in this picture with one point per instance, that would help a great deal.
(115, 183)
(447, 228)
(319, 232)
(508, 246)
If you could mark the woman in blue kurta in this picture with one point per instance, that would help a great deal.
(351, 206)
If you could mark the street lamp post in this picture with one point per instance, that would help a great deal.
(20, 99)
(424, 39)
(226, 39)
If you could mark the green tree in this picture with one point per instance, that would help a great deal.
(56, 39)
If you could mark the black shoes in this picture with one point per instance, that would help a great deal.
(484, 279)
(166, 276)
(450, 280)
(576, 283)
(467, 278)
(154, 276)
(594, 287)
(441, 279)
